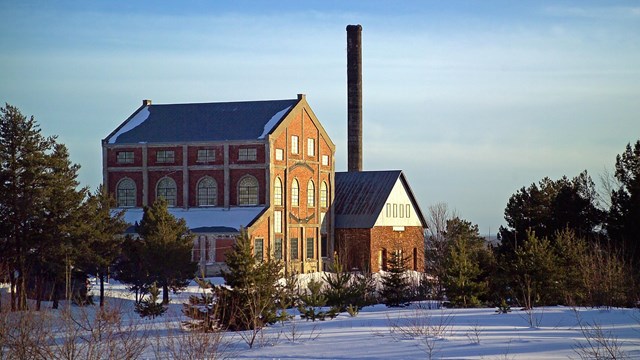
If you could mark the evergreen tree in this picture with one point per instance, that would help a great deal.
(395, 285)
(61, 222)
(572, 254)
(130, 268)
(623, 223)
(467, 261)
(248, 301)
(201, 309)
(101, 236)
(339, 291)
(38, 198)
(535, 273)
(549, 207)
(167, 246)
(150, 307)
(311, 301)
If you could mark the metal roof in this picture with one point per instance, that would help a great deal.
(360, 197)
(246, 120)
(206, 220)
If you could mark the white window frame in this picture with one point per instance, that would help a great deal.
(294, 144)
(277, 222)
(279, 154)
(125, 157)
(206, 155)
(311, 194)
(325, 160)
(324, 194)
(247, 154)
(311, 147)
(165, 156)
(295, 193)
(277, 192)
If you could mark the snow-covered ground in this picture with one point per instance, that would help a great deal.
(414, 332)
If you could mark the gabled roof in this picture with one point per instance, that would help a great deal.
(361, 196)
(245, 120)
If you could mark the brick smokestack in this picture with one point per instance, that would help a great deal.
(354, 98)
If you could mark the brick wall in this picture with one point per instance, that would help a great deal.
(362, 247)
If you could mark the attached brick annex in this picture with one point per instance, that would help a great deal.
(267, 167)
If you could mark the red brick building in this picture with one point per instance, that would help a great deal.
(267, 166)
(377, 214)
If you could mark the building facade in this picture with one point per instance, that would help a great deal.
(267, 166)
(377, 214)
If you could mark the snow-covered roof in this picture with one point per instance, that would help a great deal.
(244, 120)
(207, 219)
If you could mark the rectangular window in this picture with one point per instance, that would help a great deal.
(388, 210)
(407, 212)
(401, 210)
(279, 154)
(395, 210)
(247, 154)
(277, 221)
(294, 249)
(310, 248)
(195, 251)
(311, 147)
(165, 156)
(125, 157)
(258, 249)
(323, 245)
(294, 144)
(206, 155)
(277, 252)
(323, 224)
(325, 160)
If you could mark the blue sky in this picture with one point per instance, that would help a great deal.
(472, 99)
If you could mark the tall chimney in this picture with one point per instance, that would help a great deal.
(354, 98)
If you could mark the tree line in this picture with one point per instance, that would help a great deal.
(565, 242)
(54, 233)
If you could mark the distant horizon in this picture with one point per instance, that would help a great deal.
(472, 100)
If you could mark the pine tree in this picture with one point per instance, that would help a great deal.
(61, 222)
(395, 285)
(130, 268)
(311, 301)
(535, 273)
(101, 237)
(466, 273)
(150, 307)
(38, 201)
(623, 223)
(248, 301)
(167, 249)
(338, 286)
(201, 309)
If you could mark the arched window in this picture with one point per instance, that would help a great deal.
(126, 193)
(167, 190)
(323, 194)
(207, 192)
(277, 192)
(295, 193)
(248, 191)
(311, 194)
